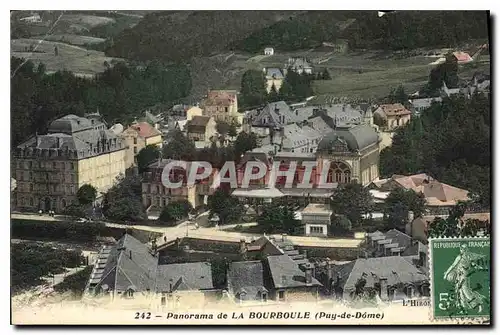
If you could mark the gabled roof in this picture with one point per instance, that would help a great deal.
(245, 280)
(145, 130)
(394, 109)
(462, 57)
(358, 137)
(274, 73)
(129, 265)
(396, 269)
(220, 98)
(184, 276)
(271, 114)
(198, 121)
(435, 192)
(69, 124)
(286, 273)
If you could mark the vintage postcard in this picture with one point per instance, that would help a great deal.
(250, 167)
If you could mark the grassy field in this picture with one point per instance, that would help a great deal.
(72, 58)
(72, 39)
(87, 21)
(371, 83)
(363, 75)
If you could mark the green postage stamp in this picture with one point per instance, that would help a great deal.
(460, 277)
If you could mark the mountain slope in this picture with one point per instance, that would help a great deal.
(181, 35)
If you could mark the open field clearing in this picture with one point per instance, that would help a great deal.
(88, 21)
(70, 57)
(371, 84)
(72, 39)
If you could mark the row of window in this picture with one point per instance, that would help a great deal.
(63, 188)
(47, 203)
(316, 230)
(45, 177)
(28, 165)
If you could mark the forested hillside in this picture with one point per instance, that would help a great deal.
(179, 36)
(183, 35)
(450, 141)
(119, 93)
(415, 29)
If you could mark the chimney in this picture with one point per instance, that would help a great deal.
(329, 276)
(243, 247)
(283, 280)
(411, 216)
(283, 237)
(308, 273)
(383, 289)
(58, 142)
(130, 254)
(422, 260)
(304, 252)
(171, 284)
(38, 140)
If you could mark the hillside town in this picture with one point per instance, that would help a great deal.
(276, 237)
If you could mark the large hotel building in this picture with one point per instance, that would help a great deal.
(50, 168)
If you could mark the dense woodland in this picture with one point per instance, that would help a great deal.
(295, 87)
(450, 141)
(415, 29)
(178, 36)
(119, 93)
(30, 262)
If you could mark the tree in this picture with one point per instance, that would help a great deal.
(179, 147)
(222, 127)
(278, 217)
(451, 142)
(86, 194)
(123, 202)
(38, 97)
(233, 129)
(146, 156)
(398, 95)
(286, 91)
(273, 95)
(340, 225)
(353, 201)
(454, 225)
(446, 72)
(243, 143)
(399, 203)
(175, 210)
(225, 206)
(253, 89)
(325, 75)
(75, 210)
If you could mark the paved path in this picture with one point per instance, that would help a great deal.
(59, 278)
(187, 229)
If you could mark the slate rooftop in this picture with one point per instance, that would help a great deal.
(129, 265)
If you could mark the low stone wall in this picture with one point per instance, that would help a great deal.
(233, 248)
(338, 254)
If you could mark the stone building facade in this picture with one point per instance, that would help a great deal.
(155, 195)
(137, 137)
(50, 168)
(222, 105)
(348, 153)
